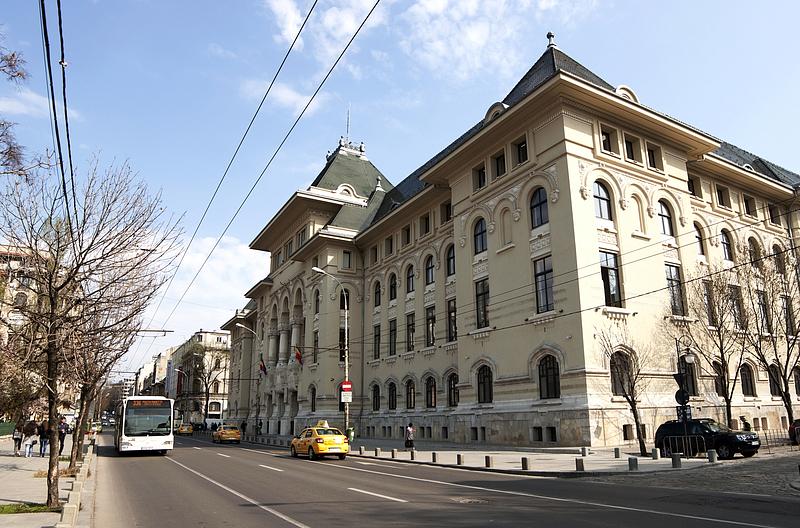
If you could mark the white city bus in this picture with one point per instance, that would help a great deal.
(144, 423)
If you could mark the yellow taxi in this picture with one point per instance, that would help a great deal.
(184, 429)
(320, 440)
(227, 433)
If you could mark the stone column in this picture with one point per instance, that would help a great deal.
(283, 348)
(295, 342)
(272, 356)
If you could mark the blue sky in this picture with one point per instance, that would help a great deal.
(170, 85)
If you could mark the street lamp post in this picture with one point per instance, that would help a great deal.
(683, 343)
(258, 383)
(346, 343)
(179, 371)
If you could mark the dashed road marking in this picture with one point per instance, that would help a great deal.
(198, 448)
(269, 467)
(395, 499)
(226, 456)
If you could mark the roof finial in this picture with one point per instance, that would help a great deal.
(551, 39)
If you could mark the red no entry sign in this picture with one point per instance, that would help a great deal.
(347, 386)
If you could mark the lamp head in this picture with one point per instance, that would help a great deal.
(689, 357)
(317, 269)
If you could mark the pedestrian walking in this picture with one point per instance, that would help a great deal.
(258, 427)
(29, 438)
(62, 434)
(244, 426)
(409, 436)
(44, 437)
(17, 436)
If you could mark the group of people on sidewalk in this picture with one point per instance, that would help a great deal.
(30, 434)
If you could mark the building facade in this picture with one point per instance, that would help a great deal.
(197, 373)
(477, 289)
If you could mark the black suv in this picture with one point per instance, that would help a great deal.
(703, 434)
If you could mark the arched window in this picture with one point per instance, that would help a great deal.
(602, 201)
(429, 276)
(312, 396)
(719, 379)
(698, 238)
(376, 398)
(754, 252)
(727, 246)
(214, 407)
(392, 287)
(797, 381)
(479, 236)
(775, 382)
(392, 396)
(549, 384)
(485, 389)
(748, 382)
(20, 300)
(411, 395)
(344, 300)
(430, 393)
(539, 214)
(779, 259)
(377, 294)
(690, 376)
(665, 217)
(215, 387)
(409, 279)
(452, 389)
(451, 260)
(620, 374)
(316, 302)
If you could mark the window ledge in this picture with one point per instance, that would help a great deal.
(481, 333)
(392, 303)
(408, 355)
(313, 366)
(546, 402)
(544, 317)
(616, 313)
(450, 346)
(410, 296)
(374, 362)
(430, 287)
(480, 257)
(618, 399)
(428, 351)
(640, 235)
(391, 359)
(751, 398)
(482, 406)
(505, 248)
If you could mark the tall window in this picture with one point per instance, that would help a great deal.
(315, 346)
(764, 320)
(675, 289)
(392, 337)
(690, 376)
(665, 217)
(430, 326)
(452, 329)
(797, 381)
(539, 213)
(479, 236)
(775, 388)
(543, 276)
(620, 373)
(485, 389)
(347, 260)
(779, 259)
(609, 272)
(377, 294)
(376, 341)
(429, 274)
(708, 302)
(392, 287)
(482, 303)
(430, 393)
(411, 395)
(602, 201)
(451, 260)
(754, 252)
(312, 396)
(549, 385)
(409, 332)
(409, 279)
(748, 382)
(316, 302)
(738, 308)
(788, 316)
(727, 246)
(392, 396)
(376, 398)
(698, 239)
(719, 379)
(452, 390)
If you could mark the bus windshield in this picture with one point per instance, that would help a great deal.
(151, 420)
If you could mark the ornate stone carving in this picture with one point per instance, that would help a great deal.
(450, 289)
(462, 241)
(606, 237)
(429, 298)
(516, 215)
(584, 192)
(539, 243)
(491, 227)
(671, 253)
(651, 212)
(480, 268)
(623, 203)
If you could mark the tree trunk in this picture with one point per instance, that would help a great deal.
(80, 426)
(205, 409)
(636, 422)
(52, 414)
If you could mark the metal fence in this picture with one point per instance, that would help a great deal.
(688, 445)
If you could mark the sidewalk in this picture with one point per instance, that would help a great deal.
(18, 485)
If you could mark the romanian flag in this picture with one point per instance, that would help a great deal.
(298, 355)
(261, 367)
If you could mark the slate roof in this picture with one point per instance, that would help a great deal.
(741, 157)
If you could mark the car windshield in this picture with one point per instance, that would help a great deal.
(328, 432)
(147, 422)
(717, 427)
(234, 429)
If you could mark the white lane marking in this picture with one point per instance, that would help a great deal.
(259, 452)
(242, 496)
(195, 447)
(226, 456)
(554, 499)
(269, 467)
(367, 463)
(377, 495)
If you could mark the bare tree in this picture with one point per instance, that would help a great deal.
(90, 275)
(771, 293)
(713, 303)
(211, 369)
(627, 359)
(12, 66)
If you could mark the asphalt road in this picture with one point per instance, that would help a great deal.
(201, 484)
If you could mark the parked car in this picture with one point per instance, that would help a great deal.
(702, 434)
(320, 440)
(794, 432)
(227, 433)
(184, 429)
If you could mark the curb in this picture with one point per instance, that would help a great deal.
(70, 511)
(795, 484)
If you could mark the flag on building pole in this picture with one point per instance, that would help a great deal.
(262, 368)
(298, 355)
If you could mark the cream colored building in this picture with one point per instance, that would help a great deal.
(476, 288)
(201, 362)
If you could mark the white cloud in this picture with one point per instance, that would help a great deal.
(218, 51)
(283, 95)
(26, 102)
(288, 19)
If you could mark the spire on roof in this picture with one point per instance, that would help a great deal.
(378, 185)
(551, 40)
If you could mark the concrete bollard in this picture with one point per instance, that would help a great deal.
(77, 486)
(656, 454)
(676, 460)
(584, 451)
(459, 459)
(633, 464)
(526, 464)
(377, 451)
(434, 457)
(74, 497)
(579, 465)
(712, 455)
(394, 453)
(413, 455)
(360, 450)
(488, 461)
(69, 512)
(617, 452)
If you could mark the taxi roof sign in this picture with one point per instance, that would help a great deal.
(322, 423)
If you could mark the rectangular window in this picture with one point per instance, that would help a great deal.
(791, 325)
(341, 344)
(537, 434)
(315, 347)
(452, 329)
(675, 289)
(278, 258)
(543, 277)
(551, 434)
(654, 158)
(482, 303)
(610, 273)
(633, 149)
(723, 196)
(520, 149)
(749, 206)
(409, 332)
(388, 246)
(708, 301)
(373, 255)
(774, 215)
(425, 224)
(430, 326)
(376, 342)
(499, 164)
(289, 248)
(392, 337)
(609, 140)
(302, 236)
(479, 177)
(694, 186)
(347, 259)
(446, 212)
(765, 322)
(738, 306)
(406, 235)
